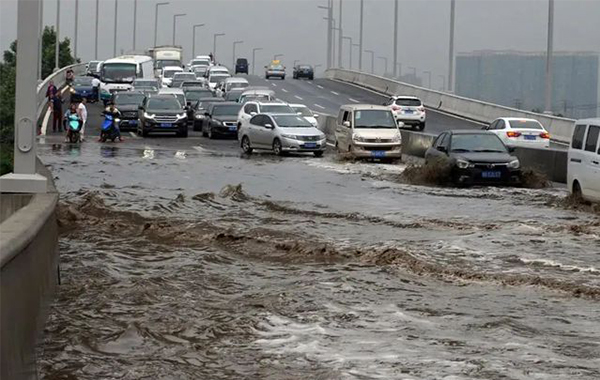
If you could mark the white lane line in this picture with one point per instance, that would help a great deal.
(330, 144)
(134, 135)
(321, 87)
(353, 100)
(274, 85)
(284, 90)
(297, 97)
(335, 93)
(319, 106)
(309, 82)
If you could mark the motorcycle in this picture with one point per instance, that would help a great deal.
(74, 129)
(109, 130)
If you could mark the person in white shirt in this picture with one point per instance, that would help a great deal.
(96, 88)
(82, 112)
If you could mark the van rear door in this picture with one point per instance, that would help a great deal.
(591, 163)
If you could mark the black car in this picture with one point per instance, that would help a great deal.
(241, 66)
(221, 119)
(128, 103)
(81, 87)
(475, 157)
(201, 108)
(303, 71)
(162, 113)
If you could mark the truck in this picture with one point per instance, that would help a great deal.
(165, 56)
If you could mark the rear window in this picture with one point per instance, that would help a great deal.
(408, 102)
(280, 108)
(577, 142)
(242, 61)
(592, 138)
(525, 124)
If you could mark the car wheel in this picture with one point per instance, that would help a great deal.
(318, 153)
(145, 132)
(277, 148)
(183, 132)
(577, 194)
(204, 134)
(266, 77)
(211, 136)
(311, 77)
(283, 78)
(246, 148)
(422, 126)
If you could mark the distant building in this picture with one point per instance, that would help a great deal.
(517, 79)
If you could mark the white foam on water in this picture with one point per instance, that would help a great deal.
(556, 264)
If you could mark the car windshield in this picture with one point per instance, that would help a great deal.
(233, 96)
(303, 111)
(118, 72)
(170, 73)
(238, 85)
(121, 99)
(276, 108)
(200, 62)
(408, 102)
(291, 121)
(276, 67)
(145, 83)
(477, 142)
(242, 61)
(196, 95)
(217, 78)
(229, 110)
(166, 103)
(82, 81)
(374, 119)
(525, 124)
(184, 76)
(164, 63)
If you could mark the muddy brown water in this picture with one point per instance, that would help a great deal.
(202, 264)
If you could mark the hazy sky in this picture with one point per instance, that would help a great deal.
(296, 28)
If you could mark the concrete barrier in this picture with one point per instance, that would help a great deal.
(560, 128)
(28, 262)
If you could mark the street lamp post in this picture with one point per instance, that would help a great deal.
(360, 37)
(194, 39)
(254, 57)
(175, 17)
(385, 61)
(395, 37)
(115, 29)
(156, 19)
(76, 24)
(372, 60)
(356, 46)
(215, 44)
(451, 47)
(349, 51)
(329, 19)
(234, 45)
(134, 21)
(97, 17)
(399, 73)
(549, 51)
(57, 42)
(428, 73)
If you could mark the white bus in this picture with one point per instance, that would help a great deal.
(117, 74)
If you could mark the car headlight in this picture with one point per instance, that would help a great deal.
(183, 115)
(199, 116)
(462, 164)
(397, 138)
(293, 137)
(514, 164)
(322, 136)
(358, 138)
(148, 115)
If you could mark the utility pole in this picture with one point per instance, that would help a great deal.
(234, 44)
(156, 19)
(115, 29)
(372, 60)
(215, 45)
(254, 57)
(41, 26)
(349, 51)
(451, 48)
(395, 37)
(549, 52)
(329, 18)
(57, 42)
(97, 17)
(360, 37)
(340, 37)
(134, 21)
(175, 17)
(385, 61)
(76, 23)
(194, 39)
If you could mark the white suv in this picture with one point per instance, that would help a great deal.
(520, 132)
(409, 110)
(250, 109)
(166, 76)
(583, 167)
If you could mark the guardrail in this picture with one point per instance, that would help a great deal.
(59, 79)
(560, 129)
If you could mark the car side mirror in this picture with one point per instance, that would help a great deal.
(268, 126)
(346, 124)
(442, 149)
(511, 149)
(316, 116)
(206, 114)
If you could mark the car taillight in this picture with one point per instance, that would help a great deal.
(545, 135)
(395, 108)
(421, 109)
(513, 134)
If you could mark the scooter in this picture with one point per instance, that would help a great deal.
(74, 129)
(109, 129)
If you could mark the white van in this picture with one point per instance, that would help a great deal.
(583, 167)
(118, 74)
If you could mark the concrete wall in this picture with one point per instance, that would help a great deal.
(560, 128)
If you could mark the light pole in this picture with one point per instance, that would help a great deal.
(194, 39)
(329, 19)
(428, 73)
(443, 78)
(57, 42)
(549, 51)
(395, 37)
(76, 24)
(41, 26)
(215, 44)
(385, 61)
(372, 60)
(234, 44)
(97, 17)
(254, 57)
(399, 73)
(175, 17)
(340, 36)
(451, 48)
(134, 21)
(360, 37)
(156, 19)
(349, 52)
(115, 28)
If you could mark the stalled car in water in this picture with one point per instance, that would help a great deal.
(303, 71)
(475, 157)
(220, 119)
(162, 113)
(583, 167)
(241, 66)
(82, 87)
(128, 103)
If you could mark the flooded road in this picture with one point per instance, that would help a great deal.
(185, 260)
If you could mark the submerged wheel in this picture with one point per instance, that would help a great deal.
(246, 148)
(277, 148)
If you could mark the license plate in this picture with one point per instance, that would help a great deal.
(234, 128)
(132, 122)
(491, 174)
(529, 137)
(378, 153)
(310, 145)
(408, 111)
(166, 125)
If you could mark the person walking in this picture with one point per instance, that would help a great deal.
(83, 114)
(57, 114)
(51, 91)
(96, 88)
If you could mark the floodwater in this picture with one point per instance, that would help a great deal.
(202, 264)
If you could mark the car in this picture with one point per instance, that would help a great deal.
(162, 113)
(93, 69)
(148, 86)
(475, 157)
(81, 87)
(194, 94)
(255, 107)
(215, 78)
(217, 70)
(303, 71)
(220, 119)
(231, 83)
(199, 71)
(241, 66)
(179, 78)
(583, 166)
(282, 133)
(176, 92)
(167, 73)
(409, 110)
(368, 131)
(191, 83)
(199, 61)
(520, 132)
(128, 103)
(275, 69)
(200, 109)
(234, 95)
(257, 94)
(306, 113)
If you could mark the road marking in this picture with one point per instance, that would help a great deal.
(330, 144)
(319, 86)
(335, 93)
(353, 100)
(297, 97)
(274, 85)
(284, 90)
(134, 135)
(319, 106)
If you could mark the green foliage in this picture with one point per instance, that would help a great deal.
(48, 51)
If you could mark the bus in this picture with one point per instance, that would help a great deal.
(117, 74)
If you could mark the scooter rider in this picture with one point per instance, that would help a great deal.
(71, 113)
(115, 113)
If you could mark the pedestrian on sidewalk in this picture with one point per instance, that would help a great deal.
(57, 113)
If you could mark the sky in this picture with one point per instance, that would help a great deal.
(296, 28)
